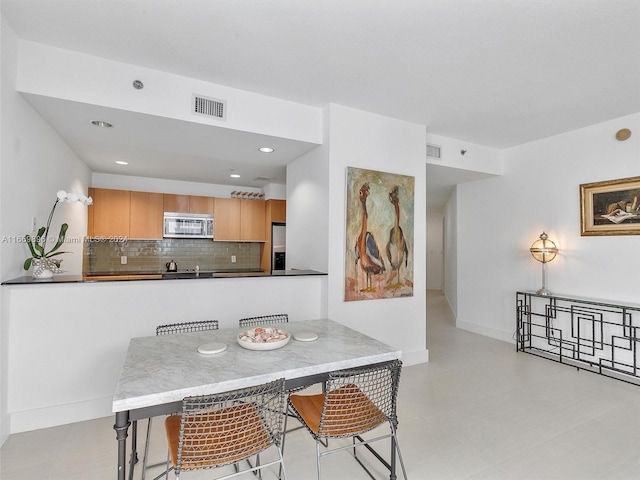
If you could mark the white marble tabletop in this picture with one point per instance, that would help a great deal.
(164, 369)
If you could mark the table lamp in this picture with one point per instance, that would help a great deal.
(543, 250)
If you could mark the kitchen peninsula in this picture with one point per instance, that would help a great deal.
(69, 335)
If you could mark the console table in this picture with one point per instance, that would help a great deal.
(597, 336)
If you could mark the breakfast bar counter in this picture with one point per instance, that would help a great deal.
(124, 277)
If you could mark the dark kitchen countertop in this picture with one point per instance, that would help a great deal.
(121, 277)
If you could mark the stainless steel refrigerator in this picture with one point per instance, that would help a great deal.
(278, 246)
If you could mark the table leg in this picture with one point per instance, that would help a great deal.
(121, 427)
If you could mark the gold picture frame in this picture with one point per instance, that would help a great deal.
(611, 207)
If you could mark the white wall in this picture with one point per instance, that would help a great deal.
(58, 73)
(435, 249)
(307, 208)
(364, 140)
(35, 164)
(498, 219)
(162, 185)
(477, 158)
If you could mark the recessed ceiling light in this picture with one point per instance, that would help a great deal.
(101, 124)
(122, 162)
(234, 175)
(266, 149)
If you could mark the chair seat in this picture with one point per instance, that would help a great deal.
(226, 436)
(348, 411)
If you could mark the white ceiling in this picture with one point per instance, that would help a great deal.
(490, 72)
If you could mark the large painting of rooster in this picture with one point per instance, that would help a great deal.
(379, 233)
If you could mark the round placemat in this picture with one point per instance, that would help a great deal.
(211, 348)
(305, 336)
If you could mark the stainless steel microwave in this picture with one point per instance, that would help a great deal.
(187, 225)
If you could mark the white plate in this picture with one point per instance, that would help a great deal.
(211, 348)
(305, 336)
(249, 345)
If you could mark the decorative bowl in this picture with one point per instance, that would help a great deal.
(263, 338)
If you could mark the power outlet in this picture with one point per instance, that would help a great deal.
(123, 260)
(233, 259)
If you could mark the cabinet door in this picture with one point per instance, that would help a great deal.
(90, 214)
(252, 227)
(146, 215)
(111, 210)
(226, 219)
(201, 204)
(278, 210)
(176, 203)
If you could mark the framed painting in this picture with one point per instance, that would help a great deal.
(379, 235)
(611, 207)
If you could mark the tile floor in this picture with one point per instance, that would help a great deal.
(478, 410)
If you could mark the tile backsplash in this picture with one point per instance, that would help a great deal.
(151, 256)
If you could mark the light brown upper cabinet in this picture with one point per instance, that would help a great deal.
(226, 219)
(176, 203)
(90, 210)
(239, 220)
(145, 221)
(111, 210)
(188, 204)
(252, 220)
(277, 211)
(200, 204)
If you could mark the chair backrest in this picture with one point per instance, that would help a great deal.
(224, 428)
(360, 399)
(187, 327)
(263, 320)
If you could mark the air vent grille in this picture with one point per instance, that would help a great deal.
(433, 151)
(209, 107)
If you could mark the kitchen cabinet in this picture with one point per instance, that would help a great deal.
(239, 220)
(275, 212)
(111, 209)
(199, 204)
(187, 203)
(146, 212)
(175, 203)
(90, 210)
(226, 219)
(252, 220)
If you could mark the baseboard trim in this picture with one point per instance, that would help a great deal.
(487, 331)
(54, 416)
(415, 357)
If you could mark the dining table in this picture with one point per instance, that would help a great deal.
(159, 371)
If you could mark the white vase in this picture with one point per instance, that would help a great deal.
(41, 268)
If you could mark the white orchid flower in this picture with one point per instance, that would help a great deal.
(38, 244)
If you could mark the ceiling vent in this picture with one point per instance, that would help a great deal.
(209, 107)
(433, 151)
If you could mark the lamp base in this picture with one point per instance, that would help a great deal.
(543, 291)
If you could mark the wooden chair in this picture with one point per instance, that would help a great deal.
(223, 429)
(263, 320)
(354, 402)
(169, 329)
